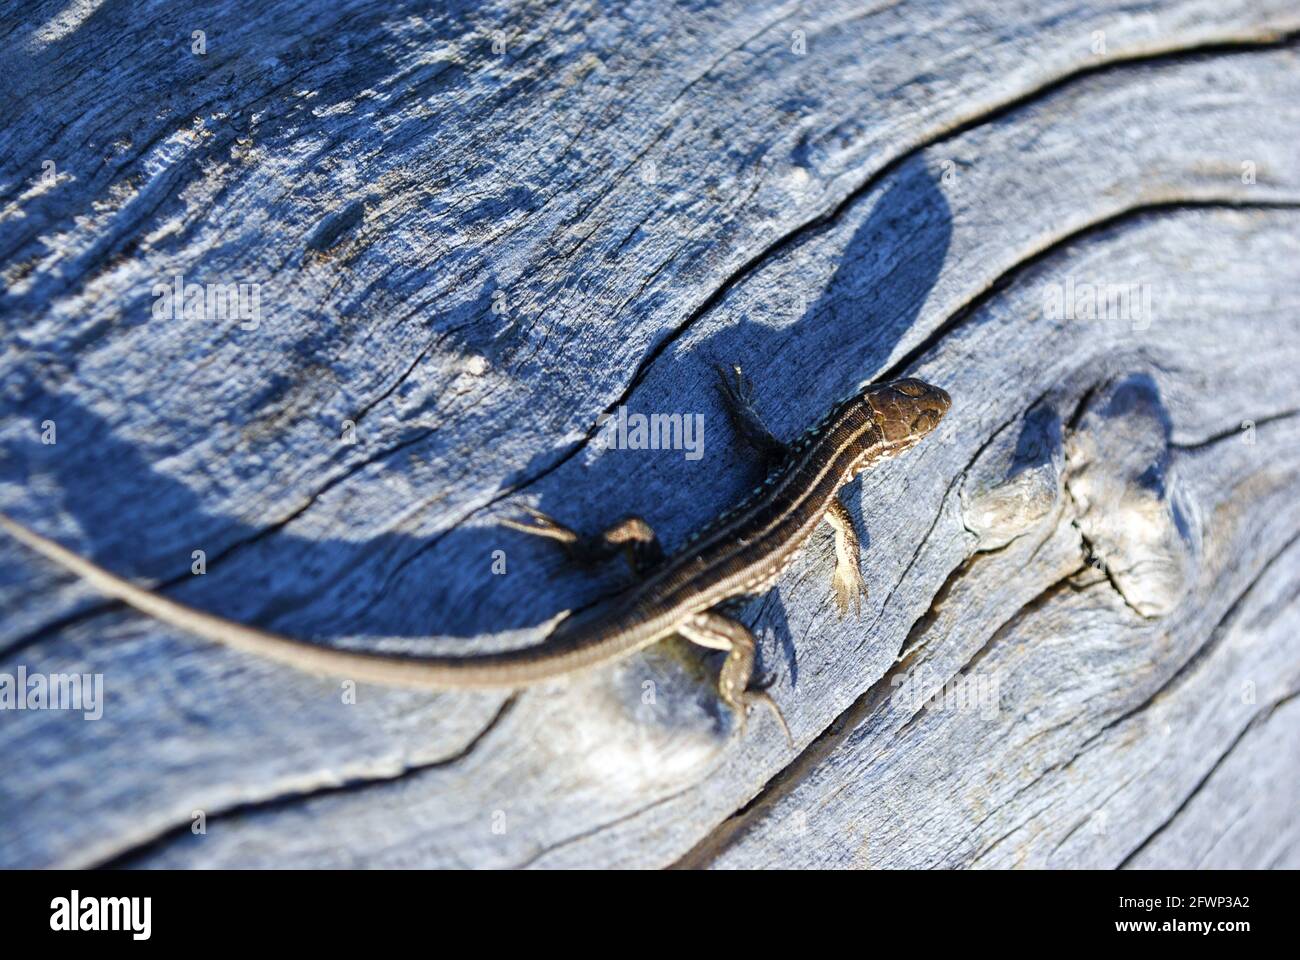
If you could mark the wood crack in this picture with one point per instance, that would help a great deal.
(1259, 719)
(131, 855)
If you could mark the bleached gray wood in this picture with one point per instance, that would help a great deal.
(383, 198)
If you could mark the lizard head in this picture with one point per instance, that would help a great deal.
(906, 410)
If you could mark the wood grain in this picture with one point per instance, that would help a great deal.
(471, 254)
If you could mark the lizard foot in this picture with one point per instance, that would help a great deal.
(737, 392)
(849, 587)
(752, 697)
(631, 536)
(542, 525)
(736, 388)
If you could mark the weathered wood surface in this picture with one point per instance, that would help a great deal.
(471, 255)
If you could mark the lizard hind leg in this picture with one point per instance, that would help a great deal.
(631, 536)
(713, 630)
(847, 580)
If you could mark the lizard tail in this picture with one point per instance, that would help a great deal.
(508, 670)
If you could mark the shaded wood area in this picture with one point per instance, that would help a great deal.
(474, 229)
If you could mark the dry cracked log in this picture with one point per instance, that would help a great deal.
(434, 246)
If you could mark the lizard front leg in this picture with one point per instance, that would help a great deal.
(713, 630)
(737, 397)
(631, 536)
(847, 580)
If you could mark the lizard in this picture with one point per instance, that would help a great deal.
(741, 553)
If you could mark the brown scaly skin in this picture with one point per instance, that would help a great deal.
(743, 552)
